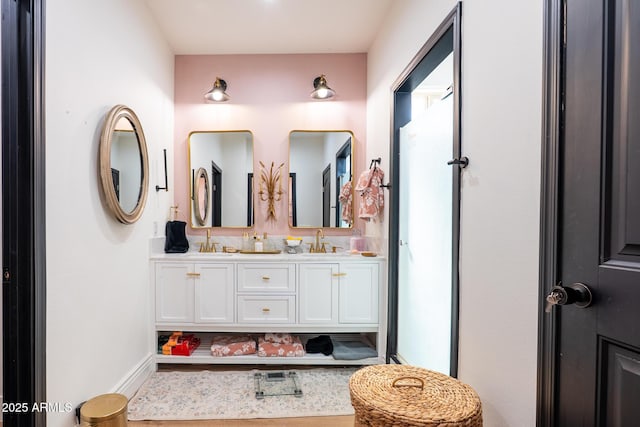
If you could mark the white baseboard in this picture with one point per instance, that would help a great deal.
(138, 375)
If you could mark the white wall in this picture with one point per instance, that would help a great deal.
(1, 245)
(99, 54)
(501, 135)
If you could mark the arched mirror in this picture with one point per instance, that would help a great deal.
(201, 200)
(124, 164)
(320, 174)
(226, 157)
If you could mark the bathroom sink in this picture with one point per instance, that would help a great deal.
(323, 255)
(207, 254)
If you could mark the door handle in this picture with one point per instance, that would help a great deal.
(463, 162)
(576, 293)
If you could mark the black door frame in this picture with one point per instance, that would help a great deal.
(216, 195)
(453, 22)
(553, 82)
(23, 211)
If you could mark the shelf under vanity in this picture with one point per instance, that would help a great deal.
(303, 295)
(202, 355)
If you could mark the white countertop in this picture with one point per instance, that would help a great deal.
(266, 257)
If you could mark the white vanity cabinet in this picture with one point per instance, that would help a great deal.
(194, 293)
(338, 293)
(302, 295)
(318, 293)
(358, 293)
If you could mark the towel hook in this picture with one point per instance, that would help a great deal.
(166, 185)
(375, 163)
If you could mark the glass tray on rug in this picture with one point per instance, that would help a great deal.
(276, 383)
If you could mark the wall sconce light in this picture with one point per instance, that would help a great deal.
(321, 89)
(218, 91)
(270, 194)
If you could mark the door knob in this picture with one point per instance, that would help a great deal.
(576, 293)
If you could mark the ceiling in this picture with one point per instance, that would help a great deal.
(208, 27)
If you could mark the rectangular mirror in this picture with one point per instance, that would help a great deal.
(320, 169)
(221, 165)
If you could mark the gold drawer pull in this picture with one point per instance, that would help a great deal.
(266, 277)
(193, 274)
(266, 310)
(339, 274)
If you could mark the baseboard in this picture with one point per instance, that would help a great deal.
(138, 375)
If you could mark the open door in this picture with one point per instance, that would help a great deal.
(425, 205)
(590, 364)
(216, 195)
(23, 213)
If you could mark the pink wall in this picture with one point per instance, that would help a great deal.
(269, 97)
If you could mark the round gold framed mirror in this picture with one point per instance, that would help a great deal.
(201, 196)
(124, 164)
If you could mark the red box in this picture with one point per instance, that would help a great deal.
(185, 345)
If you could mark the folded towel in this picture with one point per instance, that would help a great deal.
(275, 349)
(232, 345)
(175, 237)
(280, 338)
(352, 350)
(321, 344)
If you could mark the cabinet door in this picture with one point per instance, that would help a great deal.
(318, 293)
(214, 293)
(358, 293)
(174, 293)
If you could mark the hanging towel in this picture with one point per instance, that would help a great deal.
(346, 199)
(175, 237)
(371, 194)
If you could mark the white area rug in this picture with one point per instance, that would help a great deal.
(231, 395)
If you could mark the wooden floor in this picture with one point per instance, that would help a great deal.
(341, 421)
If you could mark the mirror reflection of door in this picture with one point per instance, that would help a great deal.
(424, 209)
(343, 175)
(321, 162)
(326, 196)
(126, 159)
(230, 152)
(216, 195)
(115, 177)
(293, 204)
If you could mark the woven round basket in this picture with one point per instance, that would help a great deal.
(401, 395)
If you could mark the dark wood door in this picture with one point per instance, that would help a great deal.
(326, 196)
(216, 195)
(598, 347)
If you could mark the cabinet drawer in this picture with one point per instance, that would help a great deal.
(266, 309)
(266, 278)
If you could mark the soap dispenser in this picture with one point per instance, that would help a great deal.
(245, 242)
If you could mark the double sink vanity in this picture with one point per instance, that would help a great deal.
(307, 294)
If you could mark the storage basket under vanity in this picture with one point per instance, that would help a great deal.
(402, 395)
